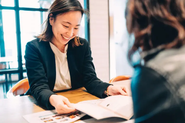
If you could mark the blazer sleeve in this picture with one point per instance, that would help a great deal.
(153, 98)
(90, 81)
(38, 81)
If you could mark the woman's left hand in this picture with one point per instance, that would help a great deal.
(117, 90)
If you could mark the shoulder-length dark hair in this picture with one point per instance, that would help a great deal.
(60, 7)
(156, 23)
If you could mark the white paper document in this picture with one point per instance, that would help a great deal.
(50, 116)
(112, 106)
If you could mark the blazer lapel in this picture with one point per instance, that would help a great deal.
(49, 60)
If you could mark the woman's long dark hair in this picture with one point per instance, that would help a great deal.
(60, 7)
(156, 23)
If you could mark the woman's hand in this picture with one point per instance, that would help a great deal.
(61, 104)
(117, 90)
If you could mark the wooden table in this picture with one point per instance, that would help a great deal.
(12, 110)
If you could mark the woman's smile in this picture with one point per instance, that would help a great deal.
(66, 38)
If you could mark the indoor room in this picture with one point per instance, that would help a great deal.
(92, 61)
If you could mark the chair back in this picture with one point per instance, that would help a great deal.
(19, 88)
(119, 78)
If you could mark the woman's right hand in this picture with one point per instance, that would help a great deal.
(61, 104)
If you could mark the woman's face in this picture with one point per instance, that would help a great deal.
(65, 26)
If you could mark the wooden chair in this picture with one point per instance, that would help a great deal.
(119, 78)
(19, 88)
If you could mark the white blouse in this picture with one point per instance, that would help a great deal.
(63, 80)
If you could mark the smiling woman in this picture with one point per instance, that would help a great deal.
(64, 27)
(60, 19)
(59, 60)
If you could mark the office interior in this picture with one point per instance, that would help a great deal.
(104, 28)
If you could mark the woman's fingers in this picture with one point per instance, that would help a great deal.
(61, 104)
(66, 102)
(117, 90)
(123, 91)
(64, 109)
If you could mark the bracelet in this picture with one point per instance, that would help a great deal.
(106, 91)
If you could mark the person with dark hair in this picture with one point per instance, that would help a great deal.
(59, 60)
(158, 83)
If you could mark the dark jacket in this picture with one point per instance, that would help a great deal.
(158, 87)
(41, 71)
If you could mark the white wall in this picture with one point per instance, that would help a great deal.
(99, 37)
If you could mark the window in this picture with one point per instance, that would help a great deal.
(119, 39)
(20, 21)
(7, 2)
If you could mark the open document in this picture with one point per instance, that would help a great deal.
(50, 116)
(112, 106)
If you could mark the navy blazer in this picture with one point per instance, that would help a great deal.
(41, 70)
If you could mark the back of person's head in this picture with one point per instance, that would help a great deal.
(156, 23)
(59, 7)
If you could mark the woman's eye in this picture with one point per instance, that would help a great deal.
(76, 28)
(66, 26)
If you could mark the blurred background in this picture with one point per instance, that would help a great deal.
(104, 28)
